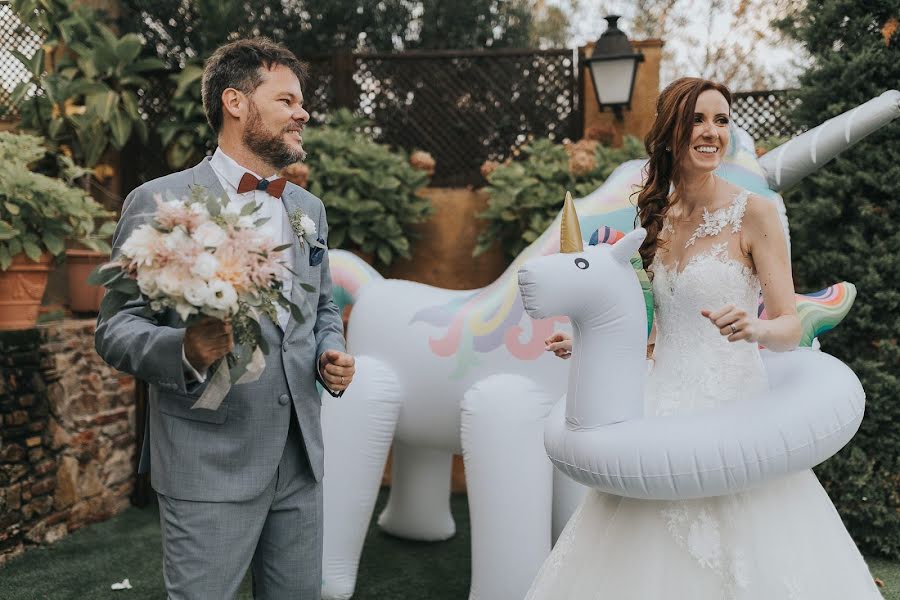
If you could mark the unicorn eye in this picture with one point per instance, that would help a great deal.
(581, 263)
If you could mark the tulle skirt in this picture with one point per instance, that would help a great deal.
(783, 541)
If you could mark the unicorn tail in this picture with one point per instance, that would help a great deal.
(349, 275)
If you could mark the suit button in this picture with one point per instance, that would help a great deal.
(283, 399)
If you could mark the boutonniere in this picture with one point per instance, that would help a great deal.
(304, 228)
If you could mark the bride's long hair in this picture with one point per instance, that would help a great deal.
(666, 144)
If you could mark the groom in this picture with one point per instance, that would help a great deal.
(241, 485)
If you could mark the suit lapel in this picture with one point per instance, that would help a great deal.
(300, 259)
(204, 175)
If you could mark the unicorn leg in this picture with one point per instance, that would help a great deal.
(418, 507)
(509, 481)
(357, 429)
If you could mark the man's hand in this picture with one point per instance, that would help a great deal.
(337, 369)
(206, 341)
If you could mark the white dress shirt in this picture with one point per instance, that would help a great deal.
(278, 227)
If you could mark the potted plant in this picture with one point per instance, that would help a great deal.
(37, 215)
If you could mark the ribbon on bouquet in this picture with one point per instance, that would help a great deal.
(220, 382)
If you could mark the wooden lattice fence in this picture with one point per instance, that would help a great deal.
(765, 114)
(13, 36)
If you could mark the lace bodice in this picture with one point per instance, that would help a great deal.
(695, 367)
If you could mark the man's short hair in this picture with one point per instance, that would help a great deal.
(239, 65)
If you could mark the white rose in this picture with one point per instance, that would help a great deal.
(171, 282)
(205, 266)
(185, 310)
(308, 227)
(198, 208)
(139, 245)
(210, 235)
(177, 240)
(197, 292)
(146, 281)
(222, 296)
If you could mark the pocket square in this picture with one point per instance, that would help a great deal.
(316, 254)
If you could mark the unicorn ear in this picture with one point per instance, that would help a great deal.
(625, 248)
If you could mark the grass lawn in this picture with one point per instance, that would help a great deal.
(84, 564)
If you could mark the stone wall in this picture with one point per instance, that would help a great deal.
(66, 435)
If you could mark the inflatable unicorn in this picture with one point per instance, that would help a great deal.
(441, 372)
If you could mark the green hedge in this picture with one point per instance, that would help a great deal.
(526, 194)
(845, 224)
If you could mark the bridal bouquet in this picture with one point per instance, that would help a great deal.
(198, 258)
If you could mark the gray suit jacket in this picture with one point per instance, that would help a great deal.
(229, 454)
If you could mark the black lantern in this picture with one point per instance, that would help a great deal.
(613, 66)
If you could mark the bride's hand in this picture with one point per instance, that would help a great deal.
(734, 323)
(560, 344)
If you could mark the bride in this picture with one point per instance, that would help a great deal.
(710, 248)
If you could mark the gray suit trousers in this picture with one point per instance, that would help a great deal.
(208, 546)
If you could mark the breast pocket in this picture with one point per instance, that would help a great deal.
(178, 405)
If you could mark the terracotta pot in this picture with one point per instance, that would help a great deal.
(22, 287)
(79, 265)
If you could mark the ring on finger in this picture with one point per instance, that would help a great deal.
(733, 329)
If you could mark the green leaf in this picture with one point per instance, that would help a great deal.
(384, 254)
(212, 205)
(12, 208)
(128, 49)
(112, 303)
(5, 257)
(188, 77)
(125, 285)
(32, 250)
(130, 102)
(249, 208)
(34, 64)
(296, 313)
(54, 243)
(281, 247)
(147, 64)
(103, 276)
(120, 126)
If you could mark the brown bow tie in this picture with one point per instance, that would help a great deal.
(274, 187)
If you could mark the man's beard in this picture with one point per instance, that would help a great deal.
(271, 148)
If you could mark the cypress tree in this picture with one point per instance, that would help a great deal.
(845, 225)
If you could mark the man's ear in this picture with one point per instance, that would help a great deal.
(234, 102)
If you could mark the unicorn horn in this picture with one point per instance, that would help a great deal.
(570, 239)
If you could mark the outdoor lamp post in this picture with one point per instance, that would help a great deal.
(613, 66)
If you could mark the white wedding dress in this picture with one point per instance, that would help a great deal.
(782, 541)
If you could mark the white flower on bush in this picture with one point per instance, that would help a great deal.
(197, 292)
(205, 266)
(222, 296)
(210, 235)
